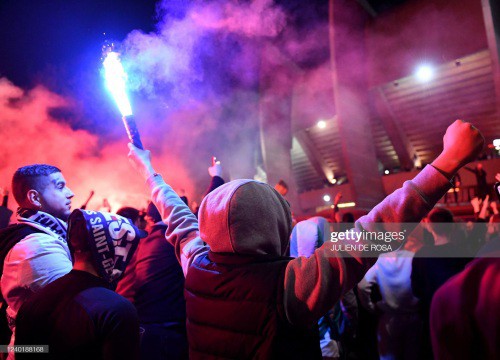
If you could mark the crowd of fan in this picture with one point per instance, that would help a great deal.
(239, 279)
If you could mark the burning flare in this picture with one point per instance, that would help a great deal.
(116, 78)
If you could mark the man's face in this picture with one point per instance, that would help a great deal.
(55, 196)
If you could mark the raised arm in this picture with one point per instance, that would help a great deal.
(215, 172)
(314, 284)
(335, 210)
(182, 231)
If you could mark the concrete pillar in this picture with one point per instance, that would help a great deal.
(491, 14)
(276, 90)
(348, 56)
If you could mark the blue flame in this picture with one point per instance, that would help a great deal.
(116, 78)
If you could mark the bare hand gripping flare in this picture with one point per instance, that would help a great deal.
(116, 78)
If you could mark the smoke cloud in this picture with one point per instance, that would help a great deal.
(30, 135)
(195, 91)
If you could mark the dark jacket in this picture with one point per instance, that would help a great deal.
(235, 310)
(79, 318)
(154, 281)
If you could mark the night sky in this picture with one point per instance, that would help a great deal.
(40, 38)
(57, 44)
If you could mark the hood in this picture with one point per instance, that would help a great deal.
(245, 217)
(308, 235)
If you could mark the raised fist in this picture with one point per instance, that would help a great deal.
(462, 142)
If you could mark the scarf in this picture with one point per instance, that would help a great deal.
(112, 238)
(43, 221)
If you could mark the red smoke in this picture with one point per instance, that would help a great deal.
(28, 135)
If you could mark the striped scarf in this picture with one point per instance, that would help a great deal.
(43, 221)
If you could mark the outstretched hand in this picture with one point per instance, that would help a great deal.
(141, 161)
(476, 204)
(215, 169)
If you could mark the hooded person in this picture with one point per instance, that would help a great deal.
(239, 280)
(79, 316)
(244, 298)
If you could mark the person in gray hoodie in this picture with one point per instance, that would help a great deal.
(244, 298)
